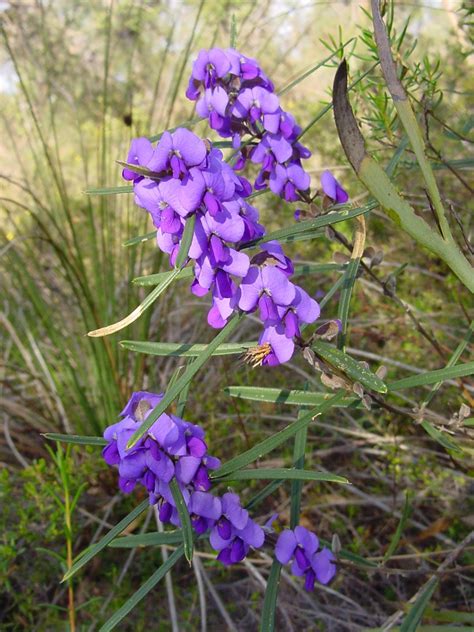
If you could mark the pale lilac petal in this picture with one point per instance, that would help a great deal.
(219, 100)
(250, 290)
(205, 505)
(277, 285)
(307, 539)
(283, 347)
(191, 147)
(306, 307)
(237, 264)
(285, 546)
(323, 566)
(159, 160)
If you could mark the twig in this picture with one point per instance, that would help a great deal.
(214, 594)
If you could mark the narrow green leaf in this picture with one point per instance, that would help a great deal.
(267, 623)
(91, 552)
(350, 276)
(176, 349)
(413, 618)
(75, 439)
(299, 450)
(138, 311)
(441, 437)
(286, 396)
(155, 538)
(142, 171)
(110, 190)
(313, 69)
(156, 279)
(288, 474)
(187, 376)
(305, 226)
(452, 361)
(311, 268)
(183, 396)
(330, 293)
(142, 591)
(140, 239)
(186, 526)
(186, 240)
(353, 369)
(264, 493)
(351, 557)
(269, 444)
(401, 526)
(431, 377)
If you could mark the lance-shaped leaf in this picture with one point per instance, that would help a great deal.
(91, 552)
(133, 241)
(177, 349)
(75, 439)
(186, 242)
(138, 311)
(350, 367)
(144, 589)
(110, 190)
(380, 186)
(269, 444)
(184, 380)
(154, 538)
(277, 473)
(286, 396)
(186, 526)
(159, 277)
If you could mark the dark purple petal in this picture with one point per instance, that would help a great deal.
(166, 510)
(110, 454)
(309, 580)
(224, 528)
(197, 447)
(237, 551)
(301, 558)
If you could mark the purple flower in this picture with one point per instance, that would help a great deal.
(235, 532)
(287, 181)
(177, 152)
(332, 188)
(171, 448)
(239, 99)
(301, 546)
(266, 287)
(254, 103)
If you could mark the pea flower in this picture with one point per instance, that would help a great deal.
(171, 448)
(238, 99)
(301, 547)
(235, 532)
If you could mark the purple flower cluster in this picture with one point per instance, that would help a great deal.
(175, 449)
(282, 305)
(185, 177)
(238, 99)
(309, 561)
